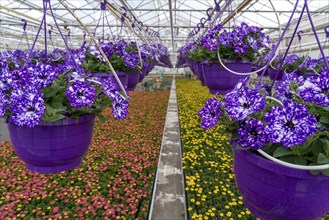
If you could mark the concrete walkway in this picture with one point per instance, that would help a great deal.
(168, 200)
(4, 135)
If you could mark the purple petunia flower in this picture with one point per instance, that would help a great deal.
(225, 38)
(283, 89)
(253, 43)
(27, 106)
(252, 134)
(290, 124)
(20, 77)
(244, 29)
(244, 102)
(240, 48)
(210, 113)
(316, 89)
(264, 40)
(110, 86)
(94, 51)
(80, 94)
(131, 60)
(44, 75)
(119, 106)
(3, 103)
(210, 43)
(5, 79)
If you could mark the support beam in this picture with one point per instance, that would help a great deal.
(171, 24)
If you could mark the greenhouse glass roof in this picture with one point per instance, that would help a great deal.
(173, 19)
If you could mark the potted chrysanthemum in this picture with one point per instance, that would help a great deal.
(228, 55)
(281, 144)
(50, 105)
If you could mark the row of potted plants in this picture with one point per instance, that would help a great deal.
(242, 50)
(207, 161)
(44, 91)
(266, 193)
(114, 180)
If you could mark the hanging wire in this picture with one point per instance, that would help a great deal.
(99, 48)
(24, 35)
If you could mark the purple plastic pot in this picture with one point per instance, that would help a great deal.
(275, 192)
(133, 78)
(219, 80)
(199, 72)
(272, 73)
(260, 72)
(52, 147)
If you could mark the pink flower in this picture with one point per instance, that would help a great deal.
(55, 209)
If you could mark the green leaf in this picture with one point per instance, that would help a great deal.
(101, 118)
(324, 120)
(322, 159)
(325, 172)
(300, 161)
(315, 172)
(325, 143)
(281, 151)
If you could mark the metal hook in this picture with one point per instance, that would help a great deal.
(203, 21)
(326, 30)
(68, 32)
(84, 35)
(25, 24)
(208, 13)
(103, 5)
(50, 30)
(217, 6)
(299, 36)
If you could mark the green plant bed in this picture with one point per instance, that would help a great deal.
(114, 180)
(207, 161)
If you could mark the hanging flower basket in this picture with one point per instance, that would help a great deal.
(219, 80)
(52, 147)
(273, 191)
(272, 73)
(199, 71)
(133, 79)
(51, 104)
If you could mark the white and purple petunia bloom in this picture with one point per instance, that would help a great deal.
(316, 89)
(252, 134)
(119, 106)
(44, 75)
(3, 103)
(240, 48)
(290, 124)
(131, 60)
(210, 43)
(284, 90)
(94, 51)
(110, 86)
(264, 40)
(5, 79)
(243, 101)
(27, 106)
(225, 38)
(210, 113)
(253, 43)
(80, 94)
(20, 77)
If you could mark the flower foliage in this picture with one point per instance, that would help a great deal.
(292, 125)
(243, 42)
(51, 86)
